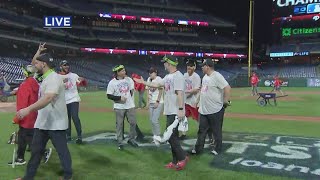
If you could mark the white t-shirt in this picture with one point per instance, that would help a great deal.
(192, 82)
(172, 82)
(54, 116)
(211, 94)
(122, 87)
(153, 93)
(70, 82)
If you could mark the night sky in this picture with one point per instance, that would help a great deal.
(237, 11)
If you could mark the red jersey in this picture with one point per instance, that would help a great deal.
(254, 80)
(277, 82)
(27, 94)
(138, 86)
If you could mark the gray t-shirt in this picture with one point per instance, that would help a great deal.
(172, 82)
(122, 87)
(54, 115)
(211, 94)
(192, 82)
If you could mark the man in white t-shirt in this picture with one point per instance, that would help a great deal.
(120, 89)
(193, 82)
(72, 99)
(214, 98)
(174, 97)
(155, 101)
(52, 119)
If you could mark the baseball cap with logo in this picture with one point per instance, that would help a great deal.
(170, 59)
(207, 62)
(64, 62)
(47, 58)
(191, 62)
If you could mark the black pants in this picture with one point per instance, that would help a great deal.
(73, 112)
(24, 138)
(178, 154)
(59, 141)
(214, 121)
(138, 131)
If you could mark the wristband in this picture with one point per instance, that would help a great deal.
(181, 108)
(157, 101)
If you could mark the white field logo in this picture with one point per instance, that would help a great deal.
(297, 157)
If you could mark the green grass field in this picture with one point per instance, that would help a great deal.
(104, 161)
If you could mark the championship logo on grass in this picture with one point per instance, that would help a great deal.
(289, 156)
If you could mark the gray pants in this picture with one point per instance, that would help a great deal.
(154, 114)
(254, 89)
(141, 99)
(131, 115)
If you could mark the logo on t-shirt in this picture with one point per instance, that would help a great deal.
(68, 83)
(168, 84)
(123, 87)
(204, 87)
(188, 84)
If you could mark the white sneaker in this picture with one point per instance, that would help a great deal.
(214, 152)
(156, 140)
(47, 155)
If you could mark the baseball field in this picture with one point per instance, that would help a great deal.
(273, 143)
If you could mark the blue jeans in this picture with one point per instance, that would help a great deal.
(73, 112)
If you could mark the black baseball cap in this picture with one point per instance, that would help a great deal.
(64, 62)
(47, 58)
(170, 59)
(207, 62)
(191, 62)
(152, 70)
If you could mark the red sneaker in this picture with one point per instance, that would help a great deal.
(171, 165)
(181, 164)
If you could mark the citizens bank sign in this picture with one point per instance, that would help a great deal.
(285, 3)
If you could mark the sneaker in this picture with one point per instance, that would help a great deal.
(181, 164)
(193, 152)
(171, 165)
(211, 142)
(214, 152)
(78, 141)
(19, 179)
(47, 155)
(120, 147)
(18, 162)
(133, 143)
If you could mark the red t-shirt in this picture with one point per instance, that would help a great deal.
(27, 94)
(277, 82)
(254, 80)
(138, 86)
